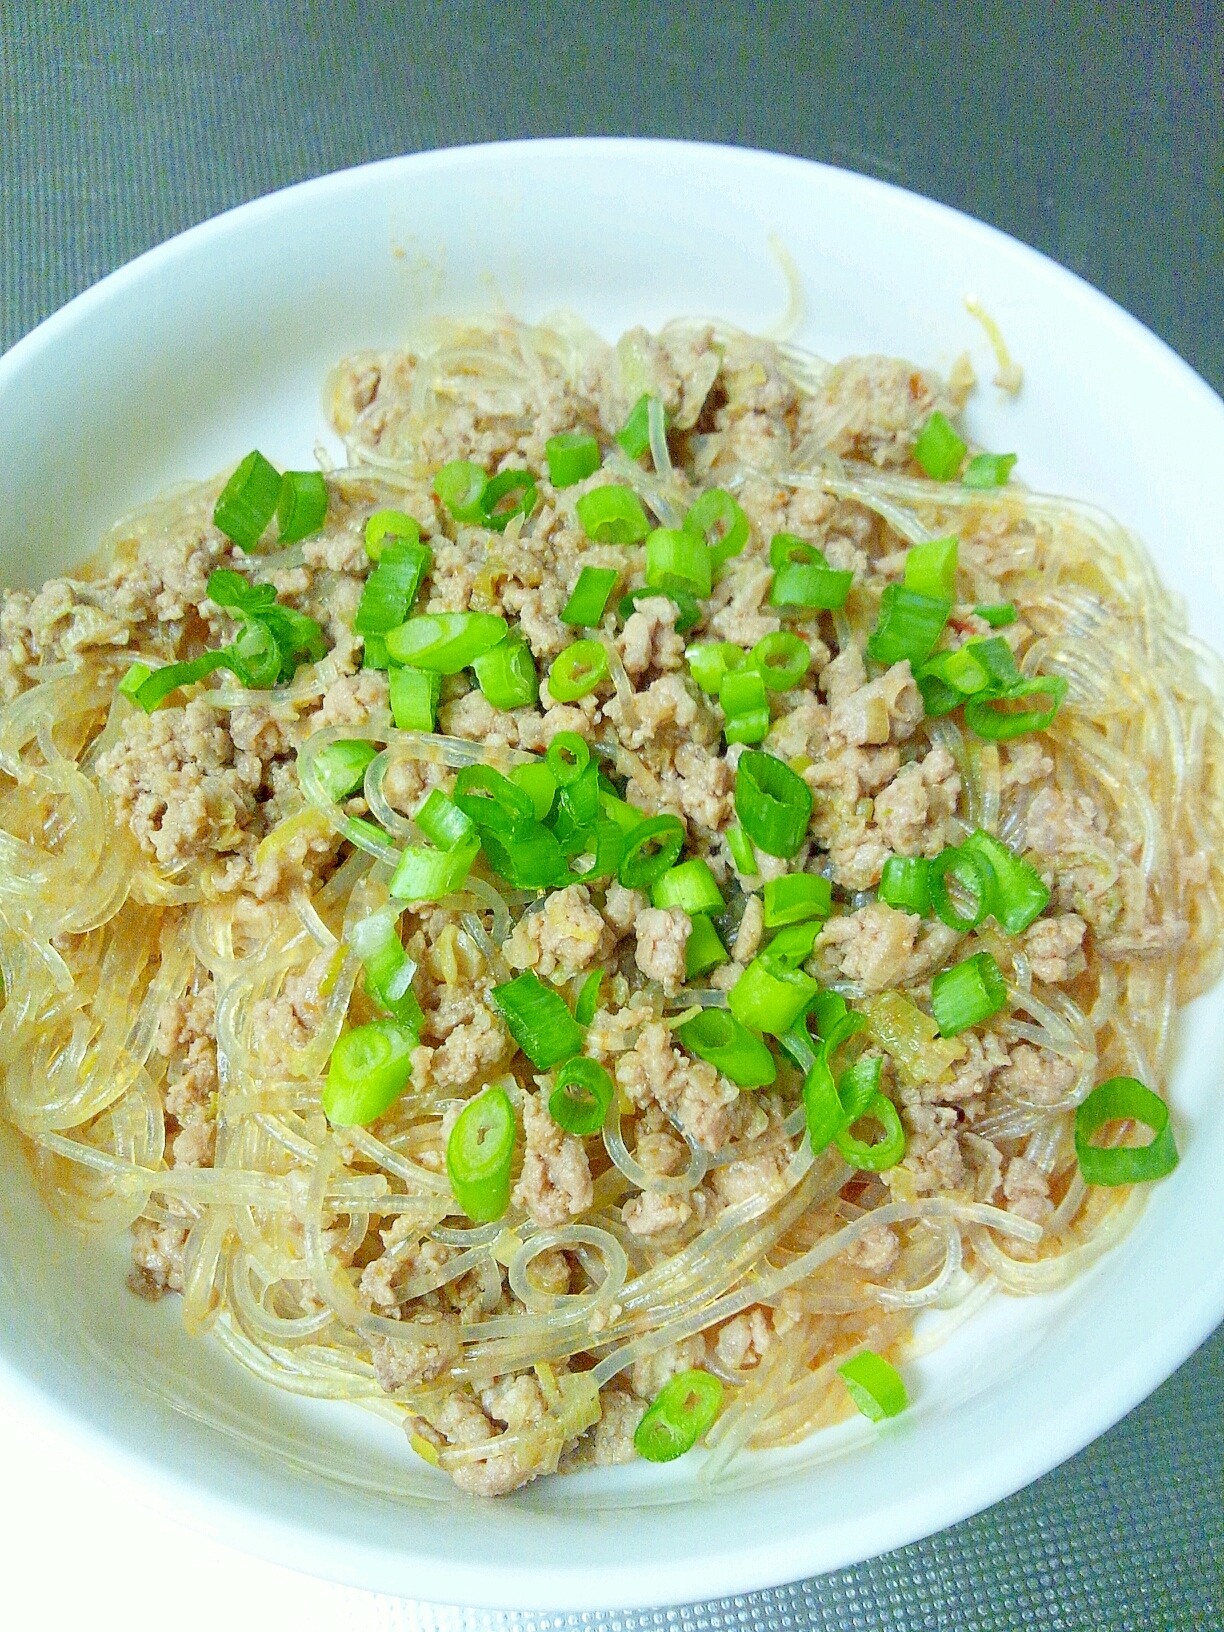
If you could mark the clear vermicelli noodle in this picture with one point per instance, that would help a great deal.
(312, 1042)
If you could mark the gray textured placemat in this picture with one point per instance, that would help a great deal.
(1098, 137)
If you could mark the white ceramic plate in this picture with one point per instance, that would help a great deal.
(220, 340)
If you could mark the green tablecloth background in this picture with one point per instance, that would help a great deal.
(1094, 132)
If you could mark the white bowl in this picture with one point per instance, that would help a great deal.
(220, 340)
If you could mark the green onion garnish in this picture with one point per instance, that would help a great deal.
(874, 1386)
(568, 757)
(369, 1070)
(445, 642)
(511, 494)
(908, 626)
(302, 506)
(389, 969)
(773, 804)
(781, 659)
(588, 998)
(650, 849)
(538, 1019)
(1018, 895)
(717, 1036)
(492, 801)
(634, 434)
(389, 593)
(930, 568)
(627, 817)
(428, 875)
(506, 674)
(998, 615)
(688, 613)
(148, 687)
(743, 699)
(461, 487)
(678, 560)
(888, 1151)
(532, 860)
(589, 600)
(718, 520)
(903, 884)
(939, 450)
(479, 1154)
(770, 996)
(612, 515)
(802, 576)
(539, 784)
(248, 500)
(1123, 1099)
(795, 897)
(973, 873)
(395, 525)
(691, 886)
(684, 1410)
(967, 994)
(709, 661)
(577, 670)
(414, 698)
(742, 854)
(703, 950)
(580, 1101)
(340, 768)
(443, 823)
(572, 456)
(988, 470)
(986, 718)
(793, 944)
(374, 652)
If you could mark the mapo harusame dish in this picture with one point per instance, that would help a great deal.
(572, 930)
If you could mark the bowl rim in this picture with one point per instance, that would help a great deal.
(306, 1545)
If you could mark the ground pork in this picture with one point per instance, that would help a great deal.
(157, 1259)
(911, 812)
(662, 936)
(653, 1072)
(1053, 947)
(555, 1184)
(567, 934)
(885, 710)
(409, 1362)
(652, 1371)
(873, 408)
(870, 946)
(1027, 1190)
(1035, 1076)
(649, 638)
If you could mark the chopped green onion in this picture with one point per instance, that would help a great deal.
(967, 994)
(684, 1410)
(999, 724)
(340, 768)
(802, 576)
(743, 699)
(568, 757)
(678, 560)
(781, 659)
(572, 456)
(717, 1036)
(825, 1113)
(634, 434)
(492, 801)
(787, 547)
(538, 1019)
(539, 784)
(495, 512)
(414, 698)
(887, 1152)
(579, 802)
(588, 998)
(988, 470)
(445, 642)
(589, 599)
(428, 875)
(773, 804)
(998, 615)
(1123, 1099)
(930, 568)
(389, 524)
(461, 487)
(742, 854)
(972, 872)
(135, 677)
(908, 626)
(374, 652)
(709, 661)
(874, 1386)
(688, 613)
(390, 591)
(770, 996)
(703, 950)
(479, 1155)
(858, 1085)
(640, 865)
(389, 969)
(369, 1070)
(1018, 896)
(605, 842)
(690, 886)
(369, 830)
(795, 897)
(627, 817)
(612, 515)
(159, 683)
(443, 823)
(904, 884)
(963, 670)
(939, 450)
(580, 1101)
(577, 670)
(793, 945)
(532, 860)
(718, 519)
(506, 674)
(248, 500)
(302, 506)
